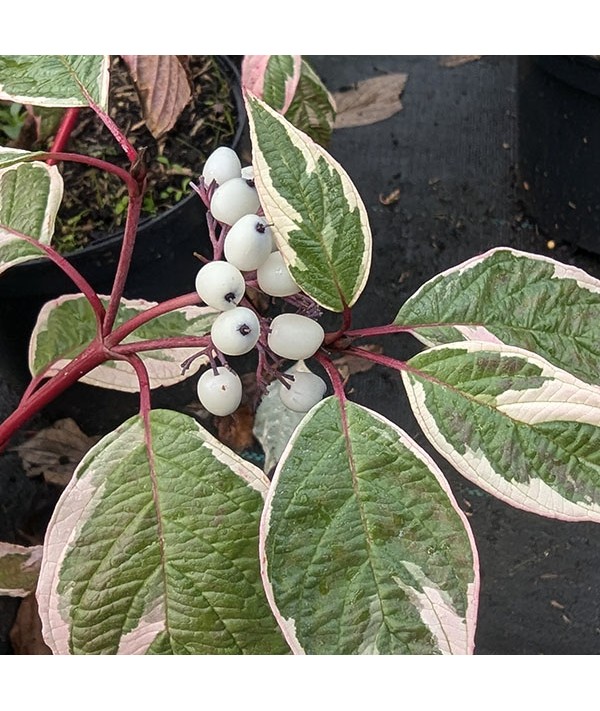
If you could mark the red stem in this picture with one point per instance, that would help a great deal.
(68, 123)
(346, 323)
(144, 382)
(378, 358)
(161, 344)
(334, 376)
(378, 331)
(131, 183)
(191, 299)
(79, 281)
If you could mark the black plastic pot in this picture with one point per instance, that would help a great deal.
(163, 264)
(559, 146)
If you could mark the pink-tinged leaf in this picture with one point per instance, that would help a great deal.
(19, 569)
(272, 78)
(370, 101)
(163, 87)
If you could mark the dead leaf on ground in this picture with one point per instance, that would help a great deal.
(26, 633)
(390, 198)
(369, 101)
(348, 365)
(457, 60)
(163, 86)
(55, 451)
(235, 430)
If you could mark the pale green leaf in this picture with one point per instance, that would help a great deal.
(320, 222)
(153, 548)
(11, 156)
(65, 326)
(520, 299)
(30, 195)
(19, 569)
(364, 548)
(517, 426)
(54, 79)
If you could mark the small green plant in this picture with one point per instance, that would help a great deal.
(165, 541)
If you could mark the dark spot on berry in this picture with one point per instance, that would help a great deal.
(260, 227)
(230, 297)
(244, 329)
(250, 182)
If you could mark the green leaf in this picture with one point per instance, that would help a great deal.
(517, 426)
(12, 156)
(66, 325)
(272, 78)
(313, 108)
(364, 548)
(30, 195)
(19, 569)
(55, 79)
(154, 550)
(274, 422)
(519, 299)
(320, 222)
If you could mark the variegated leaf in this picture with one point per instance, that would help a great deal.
(30, 195)
(363, 547)
(520, 299)
(321, 225)
(272, 78)
(65, 326)
(517, 426)
(313, 109)
(19, 569)
(11, 156)
(54, 79)
(153, 548)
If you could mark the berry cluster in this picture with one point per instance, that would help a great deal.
(245, 253)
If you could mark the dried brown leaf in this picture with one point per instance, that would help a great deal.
(163, 86)
(235, 430)
(55, 451)
(348, 365)
(390, 198)
(457, 60)
(26, 633)
(370, 101)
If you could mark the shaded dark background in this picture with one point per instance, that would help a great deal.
(453, 153)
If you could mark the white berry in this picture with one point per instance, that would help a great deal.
(274, 277)
(248, 172)
(306, 390)
(220, 285)
(234, 199)
(236, 331)
(294, 336)
(248, 243)
(220, 394)
(222, 165)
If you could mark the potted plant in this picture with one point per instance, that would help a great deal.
(166, 541)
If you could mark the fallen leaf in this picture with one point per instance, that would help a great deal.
(163, 86)
(235, 430)
(370, 101)
(458, 60)
(26, 633)
(55, 451)
(391, 198)
(348, 365)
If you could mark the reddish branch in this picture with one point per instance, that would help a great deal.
(63, 134)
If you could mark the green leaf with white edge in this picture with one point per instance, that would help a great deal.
(154, 549)
(520, 299)
(320, 222)
(19, 569)
(30, 195)
(65, 326)
(313, 108)
(514, 424)
(274, 422)
(55, 79)
(363, 547)
(12, 156)
(272, 77)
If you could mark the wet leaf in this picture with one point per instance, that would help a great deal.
(370, 101)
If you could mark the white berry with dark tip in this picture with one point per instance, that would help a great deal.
(220, 393)
(234, 199)
(306, 390)
(294, 336)
(220, 285)
(222, 165)
(274, 277)
(236, 331)
(248, 243)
